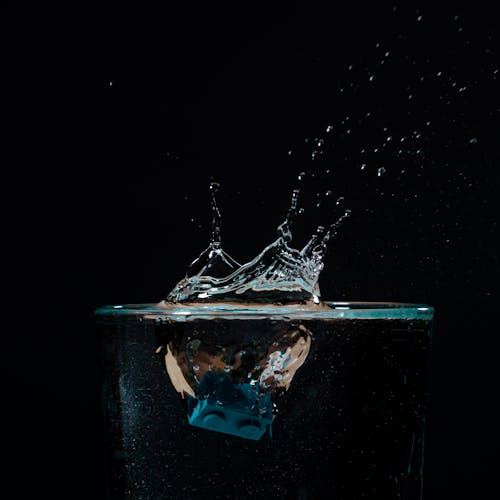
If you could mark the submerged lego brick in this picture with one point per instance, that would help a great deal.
(229, 420)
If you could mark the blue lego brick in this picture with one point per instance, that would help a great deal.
(229, 421)
(237, 409)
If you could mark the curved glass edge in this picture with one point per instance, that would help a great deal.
(352, 310)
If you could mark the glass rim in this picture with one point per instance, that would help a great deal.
(337, 310)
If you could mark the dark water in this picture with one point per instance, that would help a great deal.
(351, 425)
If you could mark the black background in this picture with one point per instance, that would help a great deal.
(114, 119)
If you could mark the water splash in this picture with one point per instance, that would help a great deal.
(279, 274)
(213, 261)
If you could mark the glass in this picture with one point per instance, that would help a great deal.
(265, 401)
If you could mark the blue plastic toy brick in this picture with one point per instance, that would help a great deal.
(237, 409)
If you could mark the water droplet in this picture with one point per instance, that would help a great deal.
(329, 128)
(363, 166)
(473, 140)
(380, 172)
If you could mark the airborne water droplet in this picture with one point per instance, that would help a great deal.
(380, 172)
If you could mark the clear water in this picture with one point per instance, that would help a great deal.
(346, 384)
(279, 274)
(293, 396)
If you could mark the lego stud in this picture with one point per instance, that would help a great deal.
(214, 420)
(250, 429)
